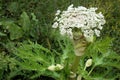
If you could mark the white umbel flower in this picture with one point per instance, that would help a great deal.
(86, 20)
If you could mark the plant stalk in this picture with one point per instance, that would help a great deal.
(75, 64)
(79, 46)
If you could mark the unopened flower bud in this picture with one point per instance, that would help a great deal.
(59, 66)
(88, 63)
(55, 67)
(72, 75)
(51, 68)
(79, 77)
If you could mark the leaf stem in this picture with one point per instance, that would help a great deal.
(91, 70)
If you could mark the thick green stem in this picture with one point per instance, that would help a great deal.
(79, 46)
(75, 64)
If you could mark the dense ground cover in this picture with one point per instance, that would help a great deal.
(29, 44)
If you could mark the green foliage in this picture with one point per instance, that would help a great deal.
(104, 61)
(44, 11)
(2, 34)
(23, 20)
(7, 65)
(17, 31)
(33, 57)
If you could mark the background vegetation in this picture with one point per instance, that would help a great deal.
(25, 25)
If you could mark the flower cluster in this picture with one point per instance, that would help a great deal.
(87, 20)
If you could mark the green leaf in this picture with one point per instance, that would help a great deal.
(2, 34)
(1, 73)
(103, 45)
(5, 23)
(34, 17)
(25, 21)
(15, 31)
(13, 7)
(33, 57)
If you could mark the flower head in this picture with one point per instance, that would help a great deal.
(86, 20)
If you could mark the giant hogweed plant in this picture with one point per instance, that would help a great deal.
(81, 25)
(92, 57)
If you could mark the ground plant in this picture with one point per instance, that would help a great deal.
(59, 40)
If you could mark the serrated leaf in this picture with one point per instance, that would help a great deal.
(15, 31)
(103, 45)
(33, 57)
(113, 64)
(2, 34)
(25, 21)
(112, 55)
(6, 23)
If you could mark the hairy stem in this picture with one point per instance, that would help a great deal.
(75, 64)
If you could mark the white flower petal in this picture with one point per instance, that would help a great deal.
(97, 32)
(55, 25)
(58, 12)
